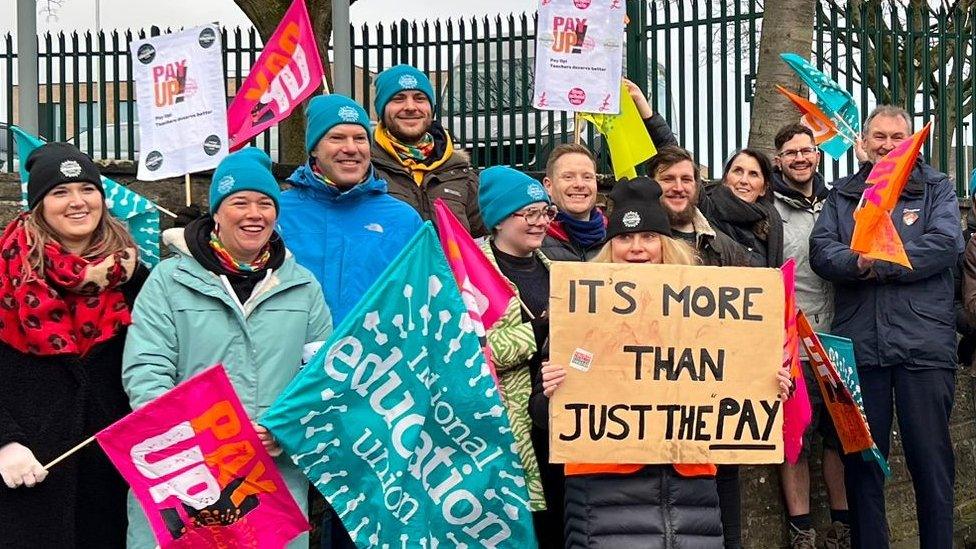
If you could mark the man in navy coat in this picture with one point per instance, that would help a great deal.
(902, 322)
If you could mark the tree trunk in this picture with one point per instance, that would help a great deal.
(265, 15)
(787, 27)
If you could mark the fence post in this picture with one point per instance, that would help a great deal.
(341, 48)
(27, 65)
(636, 44)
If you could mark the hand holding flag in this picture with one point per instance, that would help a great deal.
(874, 234)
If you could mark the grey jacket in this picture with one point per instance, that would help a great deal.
(814, 295)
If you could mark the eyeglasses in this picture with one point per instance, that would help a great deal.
(805, 151)
(535, 214)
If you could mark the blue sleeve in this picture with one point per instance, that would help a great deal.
(830, 258)
(935, 250)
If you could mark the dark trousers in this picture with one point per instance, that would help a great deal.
(924, 401)
(334, 535)
(730, 503)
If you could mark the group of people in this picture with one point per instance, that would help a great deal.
(88, 334)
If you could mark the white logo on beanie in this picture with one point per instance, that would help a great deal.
(536, 192)
(70, 168)
(408, 82)
(225, 184)
(631, 219)
(348, 114)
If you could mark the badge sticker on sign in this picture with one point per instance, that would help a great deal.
(581, 360)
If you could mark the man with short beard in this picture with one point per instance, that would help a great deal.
(674, 170)
(799, 193)
(415, 154)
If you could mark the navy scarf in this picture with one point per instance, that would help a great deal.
(586, 233)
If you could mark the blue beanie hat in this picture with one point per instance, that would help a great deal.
(397, 79)
(327, 111)
(248, 169)
(503, 191)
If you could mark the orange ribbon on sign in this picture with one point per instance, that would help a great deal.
(874, 233)
(812, 117)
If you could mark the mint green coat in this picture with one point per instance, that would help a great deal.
(185, 321)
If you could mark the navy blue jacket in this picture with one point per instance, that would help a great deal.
(903, 316)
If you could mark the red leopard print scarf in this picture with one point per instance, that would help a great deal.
(74, 306)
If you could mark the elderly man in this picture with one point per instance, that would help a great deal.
(902, 323)
(415, 154)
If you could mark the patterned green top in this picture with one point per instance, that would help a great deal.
(512, 343)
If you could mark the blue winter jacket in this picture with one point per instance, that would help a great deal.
(903, 316)
(346, 238)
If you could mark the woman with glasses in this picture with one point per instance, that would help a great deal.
(742, 207)
(517, 210)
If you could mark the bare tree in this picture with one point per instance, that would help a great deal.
(787, 27)
(908, 57)
(265, 15)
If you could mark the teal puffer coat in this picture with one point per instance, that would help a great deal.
(185, 321)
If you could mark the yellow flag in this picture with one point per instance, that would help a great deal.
(626, 135)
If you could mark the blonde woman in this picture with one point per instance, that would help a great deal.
(666, 505)
(68, 278)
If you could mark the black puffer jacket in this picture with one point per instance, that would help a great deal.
(654, 508)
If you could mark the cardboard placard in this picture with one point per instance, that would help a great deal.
(666, 364)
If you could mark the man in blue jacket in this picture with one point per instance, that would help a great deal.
(902, 324)
(340, 223)
(337, 218)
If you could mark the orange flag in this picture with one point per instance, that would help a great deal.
(812, 117)
(852, 429)
(874, 233)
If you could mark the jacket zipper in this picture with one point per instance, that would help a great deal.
(669, 541)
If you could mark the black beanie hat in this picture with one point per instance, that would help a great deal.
(53, 164)
(637, 208)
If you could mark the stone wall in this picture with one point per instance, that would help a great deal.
(763, 512)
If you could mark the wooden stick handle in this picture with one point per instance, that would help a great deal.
(525, 308)
(165, 211)
(68, 454)
(577, 127)
(189, 197)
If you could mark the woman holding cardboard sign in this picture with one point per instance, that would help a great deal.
(69, 275)
(666, 506)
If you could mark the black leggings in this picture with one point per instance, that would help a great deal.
(730, 503)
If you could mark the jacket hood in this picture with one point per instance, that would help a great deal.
(175, 239)
(796, 199)
(306, 180)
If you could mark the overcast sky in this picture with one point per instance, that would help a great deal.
(126, 14)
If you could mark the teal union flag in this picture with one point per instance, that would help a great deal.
(398, 423)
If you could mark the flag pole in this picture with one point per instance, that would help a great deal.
(165, 211)
(577, 127)
(839, 118)
(68, 454)
(189, 197)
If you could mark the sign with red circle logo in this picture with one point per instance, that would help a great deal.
(577, 96)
